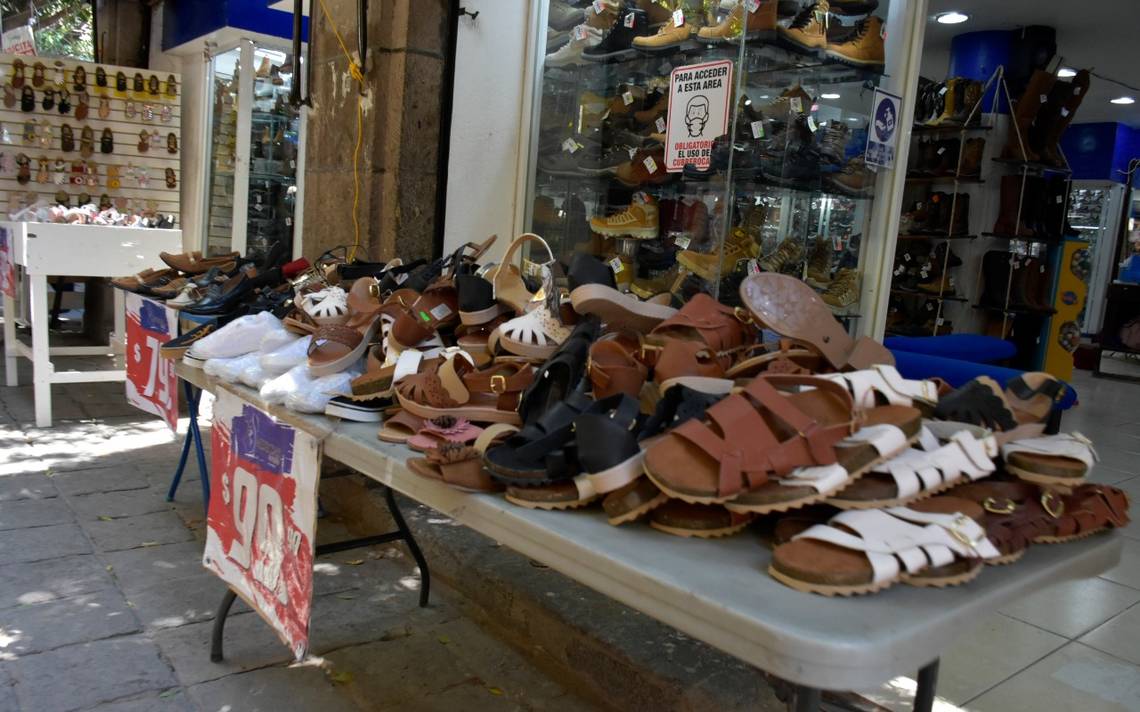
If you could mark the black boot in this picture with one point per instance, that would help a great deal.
(995, 278)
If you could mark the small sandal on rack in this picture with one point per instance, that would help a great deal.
(506, 279)
(795, 311)
(865, 551)
(703, 521)
(765, 449)
(1060, 461)
(536, 334)
(456, 465)
(948, 454)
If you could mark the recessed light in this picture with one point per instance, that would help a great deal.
(1124, 100)
(852, 118)
(829, 96)
(951, 18)
(763, 96)
(1066, 73)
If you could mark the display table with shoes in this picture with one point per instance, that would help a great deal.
(717, 591)
(50, 249)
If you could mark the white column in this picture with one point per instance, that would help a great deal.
(11, 378)
(41, 358)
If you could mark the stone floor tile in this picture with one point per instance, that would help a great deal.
(26, 584)
(98, 672)
(171, 700)
(1072, 608)
(1119, 636)
(99, 479)
(26, 486)
(137, 569)
(275, 689)
(133, 532)
(42, 543)
(30, 513)
(170, 604)
(115, 505)
(79, 619)
(249, 644)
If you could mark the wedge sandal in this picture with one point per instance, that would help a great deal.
(336, 347)
(506, 279)
(948, 454)
(753, 439)
(983, 402)
(795, 311)
(1032, 396)
(1060, 461)
(861, 552)
(619, 310)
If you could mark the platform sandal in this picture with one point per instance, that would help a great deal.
(1032, 396)
(1060, 461)
(866, 551)
(457, 388)
(593, 292)
(794, 310)
(562, 373)
(947, 455)
(784, 450)
(982, 402)
(506, 279)
(324, 307)
(703, 521)
(335, 347)
(536, 334)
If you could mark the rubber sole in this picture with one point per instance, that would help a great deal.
(639, 512)
(1064, 485)
(341, 363)
(619, 310)
(552, 506)
(478, 318)
(618, 476)
(898, 501)
(475, 415)
(357, 415)
(531, 351)
(700, 533)
(1071, 537)
(641, 233)
(830, 591)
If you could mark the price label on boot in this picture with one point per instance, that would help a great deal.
(1064, 113)
(678, 18)
(598, 6)
(797, 104)
(1044, 98)
(580, 32)
(1076, 91)
(617, 265)
(1060, 199)
(940, 321)
(570, 145)
(660, 124)
(753, 267)
(629, 20)
(811, 124)
(753, 5)
(632, 152)
(627, 97)
(942, 91)
(757, 129)
(650, 164)
(906, 256)
(681, 241)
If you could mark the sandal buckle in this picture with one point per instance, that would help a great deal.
(742, 316)
(996, 506)
(956, 531)
(1052, 504)
(498, 384)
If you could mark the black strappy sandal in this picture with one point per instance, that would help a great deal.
(979, 402)
(561, 374)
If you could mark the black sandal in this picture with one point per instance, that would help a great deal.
(563, 373)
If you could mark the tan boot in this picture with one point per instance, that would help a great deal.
(949, 104)
(864, 47)
(710, 266)
(819, 263)
(1030, 103)
(657, 12)
(843, 290)
(639, 220)
(669, 36)
(972, 157)
(759, 22)
(809, 30)
(787, 253)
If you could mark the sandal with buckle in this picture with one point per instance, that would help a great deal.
(1032, 396)
(438, 306)
(1089, 509)
(506, 279)
(336, 347)
(948, 454)
(1016, 514)
(883, 385)
(795, 311)
(784, 450)
(613, 369)
(457, 388)
(865, 551)
(538, 333)
(562, 373)
(983, 402)
(1060, 461)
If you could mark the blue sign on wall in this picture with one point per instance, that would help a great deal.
(186, 20)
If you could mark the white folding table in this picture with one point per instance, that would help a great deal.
(50, 249)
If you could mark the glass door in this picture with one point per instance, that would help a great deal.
(274, 131)
(226, 74)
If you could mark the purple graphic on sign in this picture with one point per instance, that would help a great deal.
(263, 442)
(152, 317)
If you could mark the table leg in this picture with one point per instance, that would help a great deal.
(119, 338)
(193, 396)
(406, 535)
(927, 683)
(807, 699)
(220, 626)
(11, 376)
(41, 356)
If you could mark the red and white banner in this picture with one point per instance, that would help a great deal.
(151, 384)
(19, 40)
(262, 519)
(7, 265)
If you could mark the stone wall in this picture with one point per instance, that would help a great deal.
(400, 136)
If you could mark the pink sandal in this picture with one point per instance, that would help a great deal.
(444, 429)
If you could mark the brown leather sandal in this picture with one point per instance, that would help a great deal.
(456, 465)
(784, 450)
(1016, 514)
(633, 501)
(1090, 509)
(613, 369)
(457, 388)
(399, 426)
(703, 521)
(335, 347)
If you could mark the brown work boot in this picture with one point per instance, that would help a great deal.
(606, 18)
(1028, 106)
(646, 167)
(1051, 153)
(759, 23)
(843, 290)
(809, 30)
(710, 266)
(863, 47)
(657, 12)
(639, 220)
(854, 179)
(819, 263)
(787, 254)
(972, 157)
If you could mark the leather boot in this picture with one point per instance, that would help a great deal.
(1007, 222)
(1051, 152)
(971, 97)
(936, 213)
(995, 278)
(971, 165)
(949, 102)
(1028, 106)
(947, 154)
(1048, 116)
(958, 222)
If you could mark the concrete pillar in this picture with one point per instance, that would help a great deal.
(400, 135)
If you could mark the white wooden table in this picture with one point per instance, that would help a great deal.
(718, 591)
(49, 249)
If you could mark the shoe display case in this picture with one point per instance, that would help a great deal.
(255, 151)
(1095, 208)
(688, 144)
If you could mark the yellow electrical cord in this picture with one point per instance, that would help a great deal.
(355, 72)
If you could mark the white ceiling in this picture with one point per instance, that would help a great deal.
(1100, 35)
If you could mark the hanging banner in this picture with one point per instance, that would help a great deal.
(7, 266)
(883, 134)
(151, 384)
(262, 517)
(699, 97)
(19, 40)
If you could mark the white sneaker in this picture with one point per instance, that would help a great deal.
(571, 53)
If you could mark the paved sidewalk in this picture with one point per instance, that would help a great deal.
(104, 604)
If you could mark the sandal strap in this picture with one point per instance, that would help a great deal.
(1071, 445)
(1020, 388)
(883, 381)
(336, 333)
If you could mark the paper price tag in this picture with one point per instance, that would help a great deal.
(942, 91)
(1041, 269)
(441, 312)
(1044, 98)
(797, 104)
(598, 7)
(924, 274)
(753, 5)
(1064, 113)
(632, 152)
(940, 321)
(617, 265)
(811, 124)
(627, 97)
(837, 243)
(401, 278)
(570, 145)
(678, 18)
(929, 306)
(650, 164)
(1076, 91)
(629, 20)
(757, 129)
(532, 269)
(753, 267)
(580, 32)
(941, 150)
(906, 256)
(660, 124)
(682, 241)
(1060, 199)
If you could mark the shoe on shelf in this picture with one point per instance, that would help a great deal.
(862, 48)
(618, 42)
(669, 36)
(808, 31)
(788, 253)
(939, 284)
(854, 179)
(710, 266)
(561, 15)
(647, 167)
(570, 54)
(833, 142)
(819, 263)
(606, 162)
(639, 220)
(843, 290)
(971, 165)
(759, 22)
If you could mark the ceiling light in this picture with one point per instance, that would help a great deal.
(951, 18)
(1124, 100)
(828, 96)
(852, 118)
(1066, 73)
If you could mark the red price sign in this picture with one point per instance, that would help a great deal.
(7, 264)
(151, 384)
(262, 515)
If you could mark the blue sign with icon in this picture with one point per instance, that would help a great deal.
(883, 136)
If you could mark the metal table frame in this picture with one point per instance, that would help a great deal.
(718, 591)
